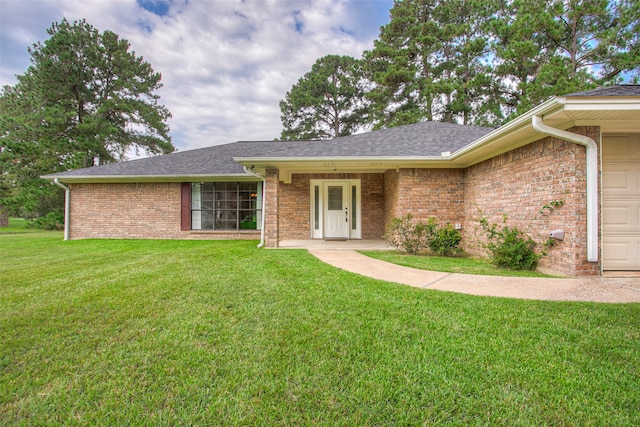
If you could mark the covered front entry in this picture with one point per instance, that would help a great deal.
(621, 202)
(335, 209)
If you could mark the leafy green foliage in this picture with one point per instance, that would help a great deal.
(484, 62)
(429, 63)
(327, 102)
(404, 234)
(509, 247)
(412, 237)
(51, 221)
(445, 241)
(547, 47)
(85, 100)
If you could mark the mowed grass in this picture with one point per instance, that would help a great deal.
(17, 225)
(464, 265)
(116, 332)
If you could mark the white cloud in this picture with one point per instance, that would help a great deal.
(225, 64)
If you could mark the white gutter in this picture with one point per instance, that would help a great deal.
(518, 123)
(592, 179)
(328, 159)
(90, 179)
(67, 206)
(264, 202)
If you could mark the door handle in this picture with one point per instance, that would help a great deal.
(346, 214)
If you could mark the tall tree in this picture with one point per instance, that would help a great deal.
(550, 47)
(401, 66)
(86, 100)
(484, 61)
(430, 64)
(327, 102)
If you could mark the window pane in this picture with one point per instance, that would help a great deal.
(248, 220)
(201, 220)
(226, 206)
(354, 204)
(226, 220)
(259, 205)
(196, 199)
(316, 207)
(335, 197)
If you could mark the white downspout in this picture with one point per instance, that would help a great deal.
(264, 202)
(592, 180)
(67, 206)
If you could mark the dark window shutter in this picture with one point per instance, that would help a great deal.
(185, 213)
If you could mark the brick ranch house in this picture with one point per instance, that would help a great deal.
(582, 149)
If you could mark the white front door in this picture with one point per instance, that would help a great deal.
(336, 210)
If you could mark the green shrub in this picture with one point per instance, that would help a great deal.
(509, 247)
(51, 221)
(413, 237)
(404, 234)
(445, 241)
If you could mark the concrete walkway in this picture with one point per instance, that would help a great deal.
(595, 289)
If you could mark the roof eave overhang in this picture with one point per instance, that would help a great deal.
(123, 179)
(561, 112)
(288, 166)
(514, 134)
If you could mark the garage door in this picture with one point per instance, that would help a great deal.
(621, 202)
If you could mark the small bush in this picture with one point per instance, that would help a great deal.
(509, 247)
(414, 237)
(445, 241)
(51, 221)
(404, 234)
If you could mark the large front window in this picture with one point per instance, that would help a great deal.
(226, 206)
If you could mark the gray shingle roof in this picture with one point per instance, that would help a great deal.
(618, 90)
(216, 160)
(420, 139)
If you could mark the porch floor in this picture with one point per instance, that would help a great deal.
(352, 244)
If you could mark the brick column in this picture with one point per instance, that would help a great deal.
(271, 226)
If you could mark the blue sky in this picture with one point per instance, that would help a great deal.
(225, 64)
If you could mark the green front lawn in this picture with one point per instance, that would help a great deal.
(464, 265)
(117, 332)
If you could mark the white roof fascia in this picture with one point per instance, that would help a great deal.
(392, 159)
(147, 178)
(522, 121)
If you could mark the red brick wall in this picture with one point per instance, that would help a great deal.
(134, 211)
(517, 184)
(294, 204)
(272, 187)
(425, 193)
(373, 205)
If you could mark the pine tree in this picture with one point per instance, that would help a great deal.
(553, 47)
(326, 102)
(430, 64)
(85, 100)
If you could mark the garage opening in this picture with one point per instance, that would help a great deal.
(621, 203)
